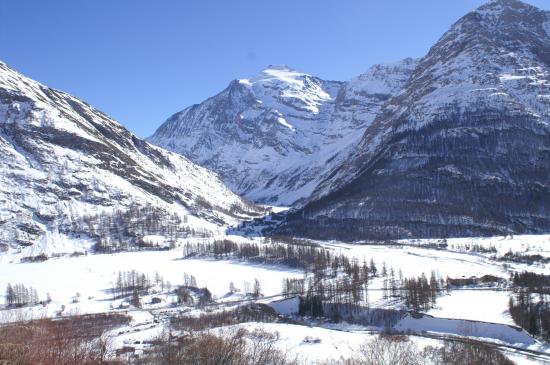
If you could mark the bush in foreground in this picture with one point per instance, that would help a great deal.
(238, 347)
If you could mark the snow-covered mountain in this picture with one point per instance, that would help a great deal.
(275, 136)
(69, 171)
(464, 149)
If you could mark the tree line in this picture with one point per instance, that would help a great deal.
(334, 278)
(19, 295)
(529, 305)
(131, 282)
(347, 290)
(308, 257)
(123, 230)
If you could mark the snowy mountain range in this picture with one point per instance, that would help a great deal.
(456, 143)
(409, 189)
(275, 136)
(463, 150)
(69, 172)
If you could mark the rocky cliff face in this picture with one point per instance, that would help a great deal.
(275, 136)
(69, 171)
(463, 150)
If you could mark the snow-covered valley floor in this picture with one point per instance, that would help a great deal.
(84, 284)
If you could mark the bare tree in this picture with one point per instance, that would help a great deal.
(388, 350)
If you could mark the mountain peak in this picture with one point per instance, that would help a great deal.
(277, 73)
(280, 67)
(280, 72)
(499, 7)
(497, 27)
(504, 3)
(383, 79)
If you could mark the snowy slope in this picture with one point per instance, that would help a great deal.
(273, 137)
(64, 163)
(463, 149)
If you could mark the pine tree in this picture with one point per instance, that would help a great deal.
(373, 269)
(257, 289)
(135, 301)
(10, 295)
(393, 284)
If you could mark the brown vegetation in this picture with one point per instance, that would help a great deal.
(239, 347)
(78, 340)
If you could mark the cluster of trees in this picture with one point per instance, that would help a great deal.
(529, 305)
(350, 293)
(293, 286)
(524, 258)
(63, 341)
(18, 295)
(311, 305)
(130, 283)
(189, 280)
(474, 280)
(540, 282)
(309, 257)
(349, 290)
(420, 293)
(184, 293)
(465, 352)
(388, 350)
(254, 312)
(133, 284)
(185, 296)
(189, 293)
(239, 347)
(124, 229)
(334, 279)
(161, 283)
(474, 247)
(532, 312)
(392, 350)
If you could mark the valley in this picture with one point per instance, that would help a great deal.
(401, 217)
(481, 309)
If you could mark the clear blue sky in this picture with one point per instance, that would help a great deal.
(141, 61)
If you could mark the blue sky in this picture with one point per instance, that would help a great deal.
(141, 61)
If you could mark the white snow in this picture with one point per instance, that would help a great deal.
(460, 327)
(475, 305)
(282, 131)
(283, 122)
(286, 306)
(316, 345)
(93, 275)
(480, 314)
